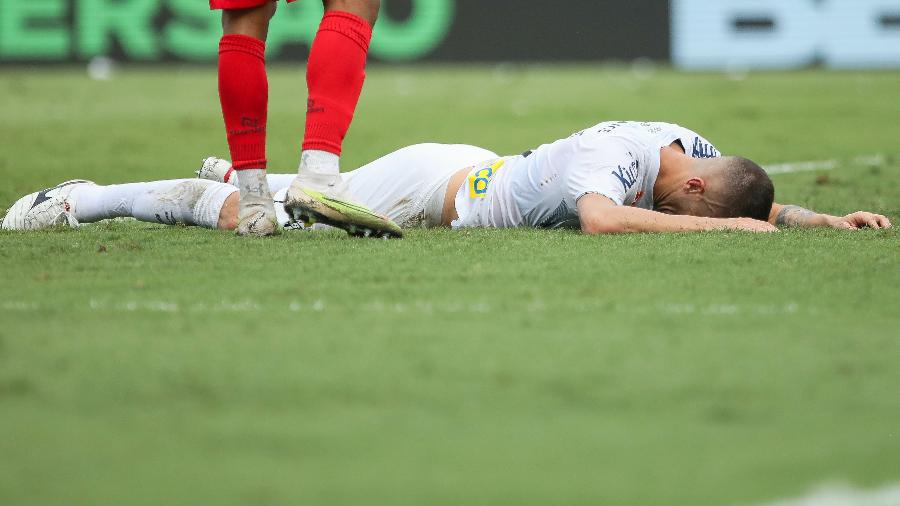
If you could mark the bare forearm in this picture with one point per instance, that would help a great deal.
(600, 215)
(624, 220)
(630, 220)
(796, 216)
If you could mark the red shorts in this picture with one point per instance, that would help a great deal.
(238, 4)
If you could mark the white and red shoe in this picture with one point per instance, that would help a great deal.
(47, 208)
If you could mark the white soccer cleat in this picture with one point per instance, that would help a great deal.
(216, 169)
(325, 198)
(332, 185)
(257, 221)
(44, 209)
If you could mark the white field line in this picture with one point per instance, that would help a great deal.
(100, 304)
(844, 495)
(791, 167)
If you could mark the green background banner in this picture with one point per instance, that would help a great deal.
(154, 30)
(61, 31)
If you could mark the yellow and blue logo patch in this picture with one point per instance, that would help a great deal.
(481, 179)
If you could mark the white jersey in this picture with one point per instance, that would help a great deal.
(540, 188)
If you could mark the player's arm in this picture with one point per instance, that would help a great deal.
(796, 216)
(600, 215)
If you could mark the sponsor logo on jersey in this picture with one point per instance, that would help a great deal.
(481, 179)
(703, 149)
(627, 176)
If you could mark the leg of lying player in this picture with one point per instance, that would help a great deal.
(179, 201)
(408, 186)
(335, 75)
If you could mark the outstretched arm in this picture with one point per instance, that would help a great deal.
(796, 216)
(600, 215)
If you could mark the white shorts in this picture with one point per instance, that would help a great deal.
(408, 185)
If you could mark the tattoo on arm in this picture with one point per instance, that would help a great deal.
(794, 216)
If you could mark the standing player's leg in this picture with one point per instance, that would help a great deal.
(335, 76)
(244, 94)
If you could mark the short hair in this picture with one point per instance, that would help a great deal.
(747, 190)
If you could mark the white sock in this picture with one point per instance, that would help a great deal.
(253, 183)
(188, 201)
(320, 162)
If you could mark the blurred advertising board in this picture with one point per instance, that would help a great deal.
(716, 34)
(692, 34)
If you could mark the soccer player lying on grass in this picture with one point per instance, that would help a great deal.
(611, 178)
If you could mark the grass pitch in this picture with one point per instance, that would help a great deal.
(142, 364)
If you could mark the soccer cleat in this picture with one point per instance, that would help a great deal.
(256, 221)
(216, 169)
(331, 205)
(44, 209)
(256, 215)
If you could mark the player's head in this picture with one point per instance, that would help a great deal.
(726, 187)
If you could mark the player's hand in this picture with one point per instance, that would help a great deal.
(750, 225)
(859, 219)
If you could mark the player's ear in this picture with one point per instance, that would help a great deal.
(694, 186)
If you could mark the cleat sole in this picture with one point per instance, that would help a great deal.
(356, 220)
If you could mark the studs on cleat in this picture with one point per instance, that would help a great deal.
(302, 217)
(310, 218)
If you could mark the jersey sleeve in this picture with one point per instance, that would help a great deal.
(602, 166)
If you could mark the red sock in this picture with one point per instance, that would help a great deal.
(244, 92)
(334, 76)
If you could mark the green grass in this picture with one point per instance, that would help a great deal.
(141, 364)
